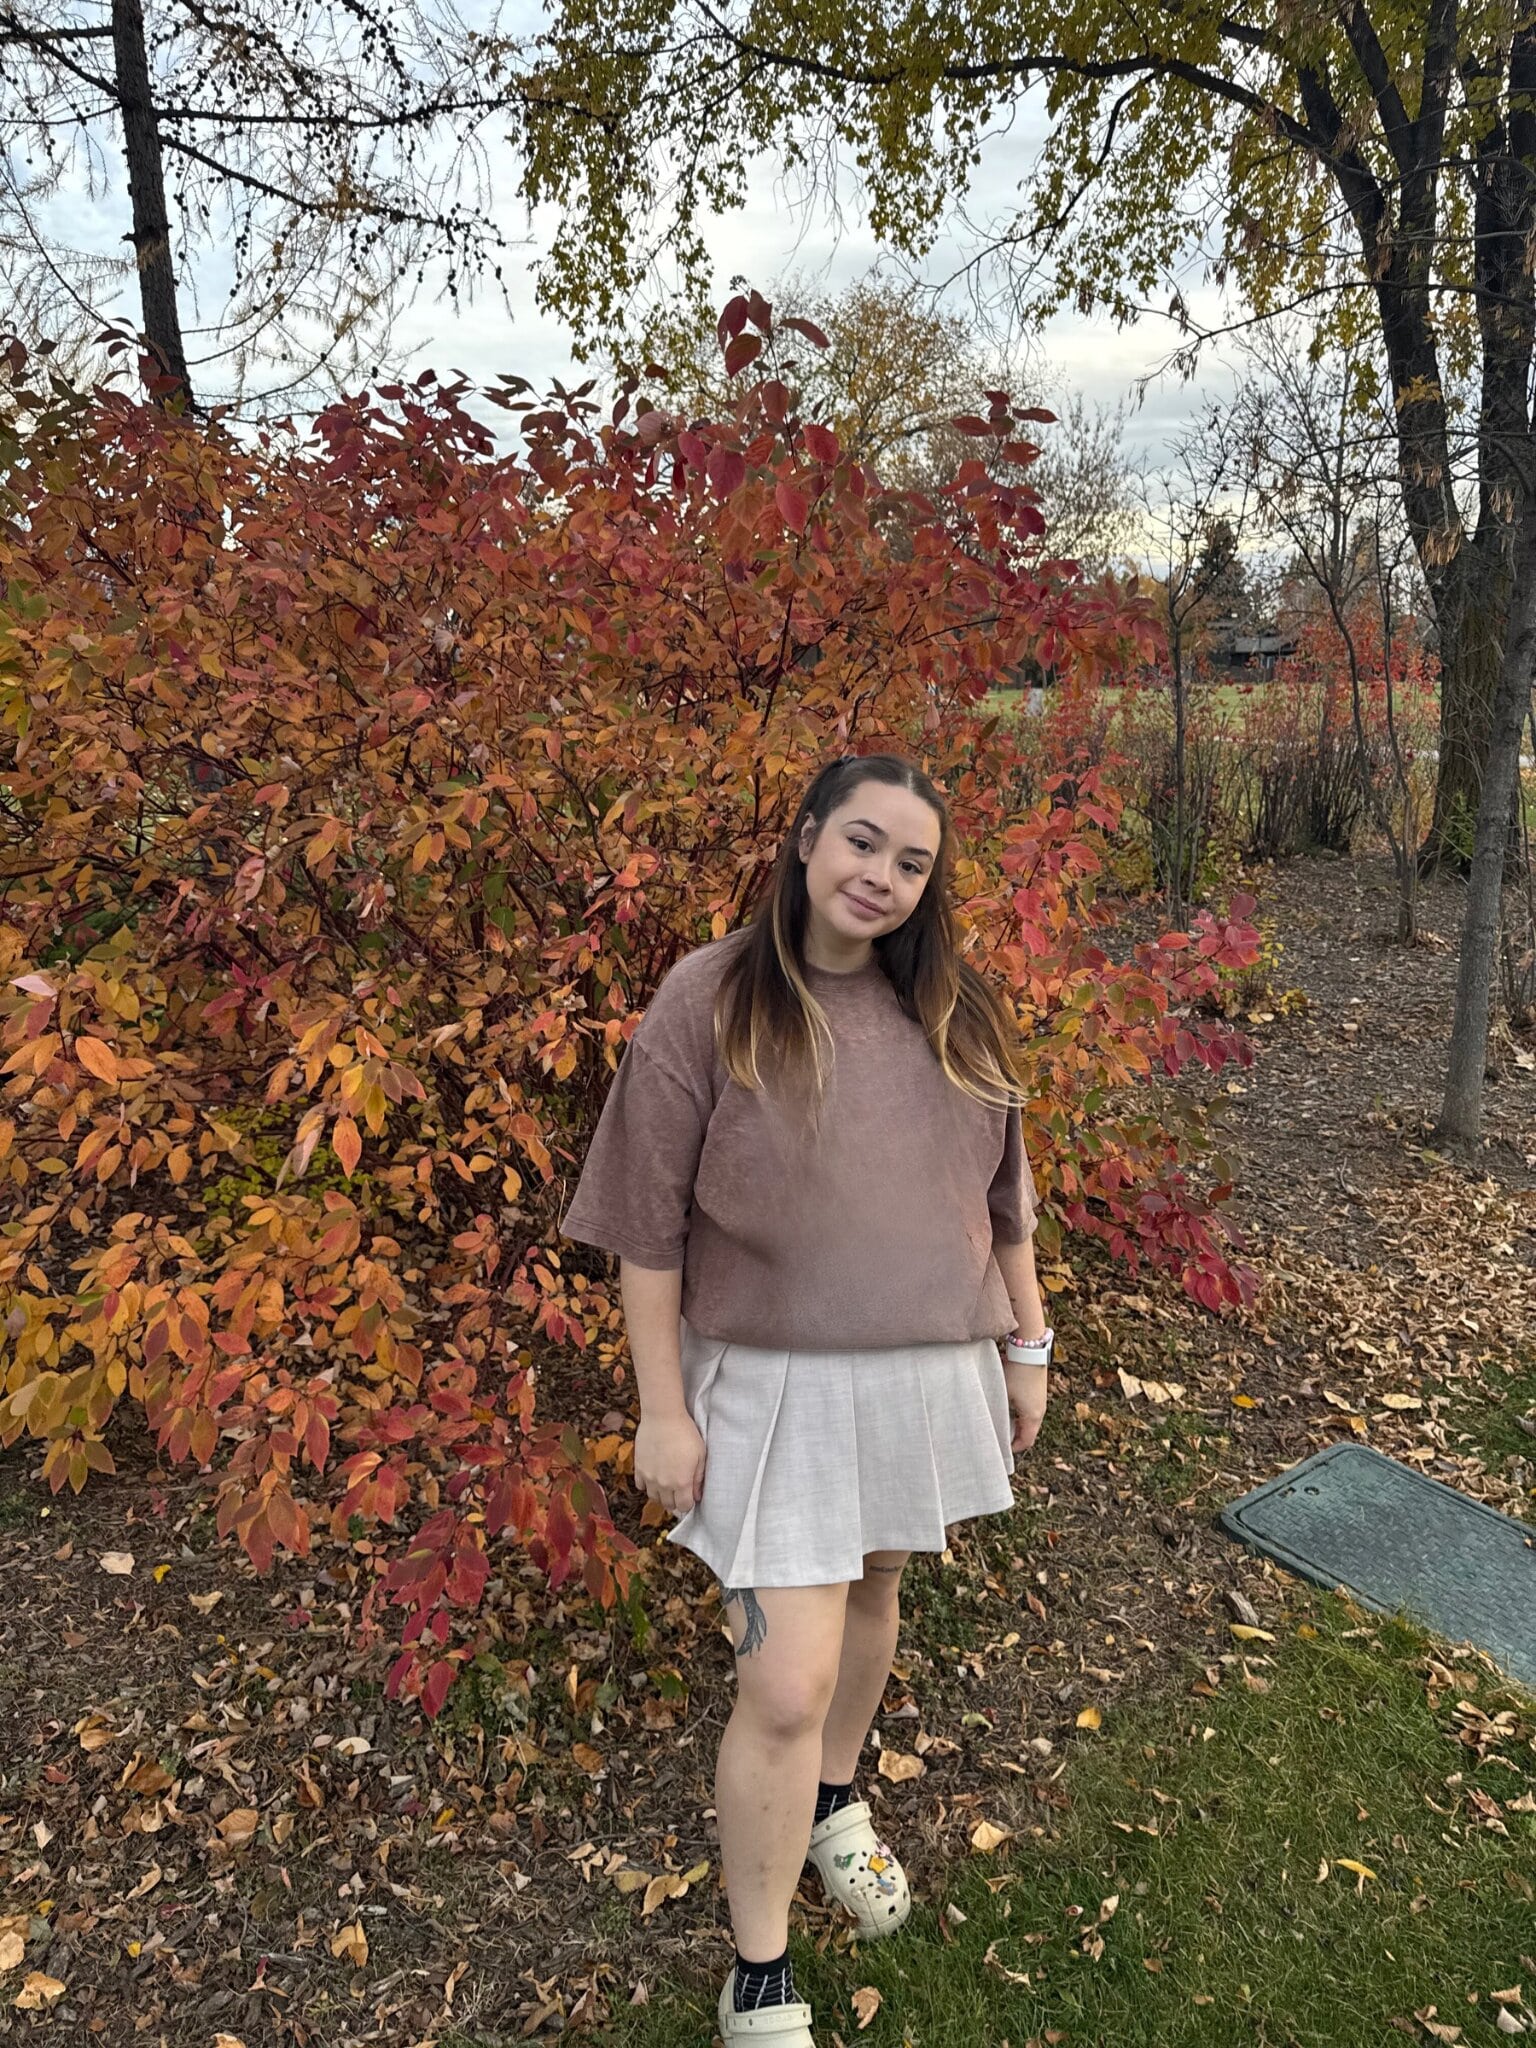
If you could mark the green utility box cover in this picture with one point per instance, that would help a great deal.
(1352, 1517)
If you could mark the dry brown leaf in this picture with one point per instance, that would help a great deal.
(667, 1886)
(227, 2041)
(205, 1603)
(591, 1760)
(866, 2003)
(146, 1883)
(239, 1826)
(39, 1990)
(1400, 1401)
(12, 1949)
(896, 1765)
(631, 1880)
(352, 1943)
(987, 1836)
(118, 1562)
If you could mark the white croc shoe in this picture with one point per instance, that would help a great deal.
(858, 1871)
(787, 2025)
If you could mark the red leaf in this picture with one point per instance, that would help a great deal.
(820, 444)
(792, 506)
(776, 400)
(727, 472)
(809, 329)
(746, 348)
(435, 1691)
(733, 319)
(760, 313)
(1037, 412)
(968, 423)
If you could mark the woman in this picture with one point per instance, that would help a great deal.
(811, 1168)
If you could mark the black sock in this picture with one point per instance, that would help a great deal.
(832, 1799)
(760, 1984)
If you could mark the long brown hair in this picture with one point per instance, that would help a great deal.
(764, 1004)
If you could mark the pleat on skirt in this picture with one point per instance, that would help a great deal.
(814, 1458)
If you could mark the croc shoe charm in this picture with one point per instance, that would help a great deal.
(858, 1871)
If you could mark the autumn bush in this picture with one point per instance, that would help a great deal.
(360, 781)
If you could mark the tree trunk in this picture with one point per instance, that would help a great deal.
(151, 236)
(1461, 1112)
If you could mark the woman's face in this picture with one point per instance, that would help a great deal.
(878, 849)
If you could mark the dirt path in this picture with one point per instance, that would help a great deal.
(210, 1822)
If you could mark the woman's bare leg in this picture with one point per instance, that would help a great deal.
(869, 1644)
(788, 1642)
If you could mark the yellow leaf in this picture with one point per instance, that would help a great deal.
(1247, 1634)
(898, 1767)
(697, 1874)
(631, 1880)
(866, 2003)
(1401, 1401)
(986, 1836)
(352, 1943)
(1090, 1717)
(1244, 1401)
(1347, 1863)
(38, 1990)
(160, 1572)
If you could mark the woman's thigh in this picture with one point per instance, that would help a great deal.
(788, 1640)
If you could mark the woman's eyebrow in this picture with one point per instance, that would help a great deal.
(880, 833)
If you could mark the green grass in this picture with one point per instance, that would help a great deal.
(1223, 1931)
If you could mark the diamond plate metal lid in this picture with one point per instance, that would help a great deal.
(1353, 1517)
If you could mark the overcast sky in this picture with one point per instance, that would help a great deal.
(1089, 355)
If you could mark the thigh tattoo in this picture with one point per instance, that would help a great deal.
(756, 1621)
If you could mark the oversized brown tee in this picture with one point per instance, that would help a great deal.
(876, 1231)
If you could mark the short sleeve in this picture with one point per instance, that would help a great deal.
(1012, 1197)
(636, 1187)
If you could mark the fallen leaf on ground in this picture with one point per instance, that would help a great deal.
(118, 1562)
(1090, 1717)
(205, 1603)
(352, 1943)
(987, 1836)
(12, 1949)
(239, 1826)
(39, 1990)
(896, 1765)
(667, 1886)
(866, 2003)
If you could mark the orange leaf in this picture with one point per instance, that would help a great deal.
(97, 1058)
(347, 1144)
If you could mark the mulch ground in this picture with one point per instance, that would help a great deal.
(212, 1825)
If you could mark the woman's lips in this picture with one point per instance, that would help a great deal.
(864, 909)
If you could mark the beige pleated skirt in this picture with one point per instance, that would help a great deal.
(815, 1458)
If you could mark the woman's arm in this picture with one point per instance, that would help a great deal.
(669, 1451)
(1016, 1263)
(1028, 1385)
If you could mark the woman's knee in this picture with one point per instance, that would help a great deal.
(788, 1649)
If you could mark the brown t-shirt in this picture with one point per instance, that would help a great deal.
(877, 1232)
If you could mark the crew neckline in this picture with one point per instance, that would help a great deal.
(835, 974)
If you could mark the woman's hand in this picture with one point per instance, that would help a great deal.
(669, 1460)
(1027, 1395)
